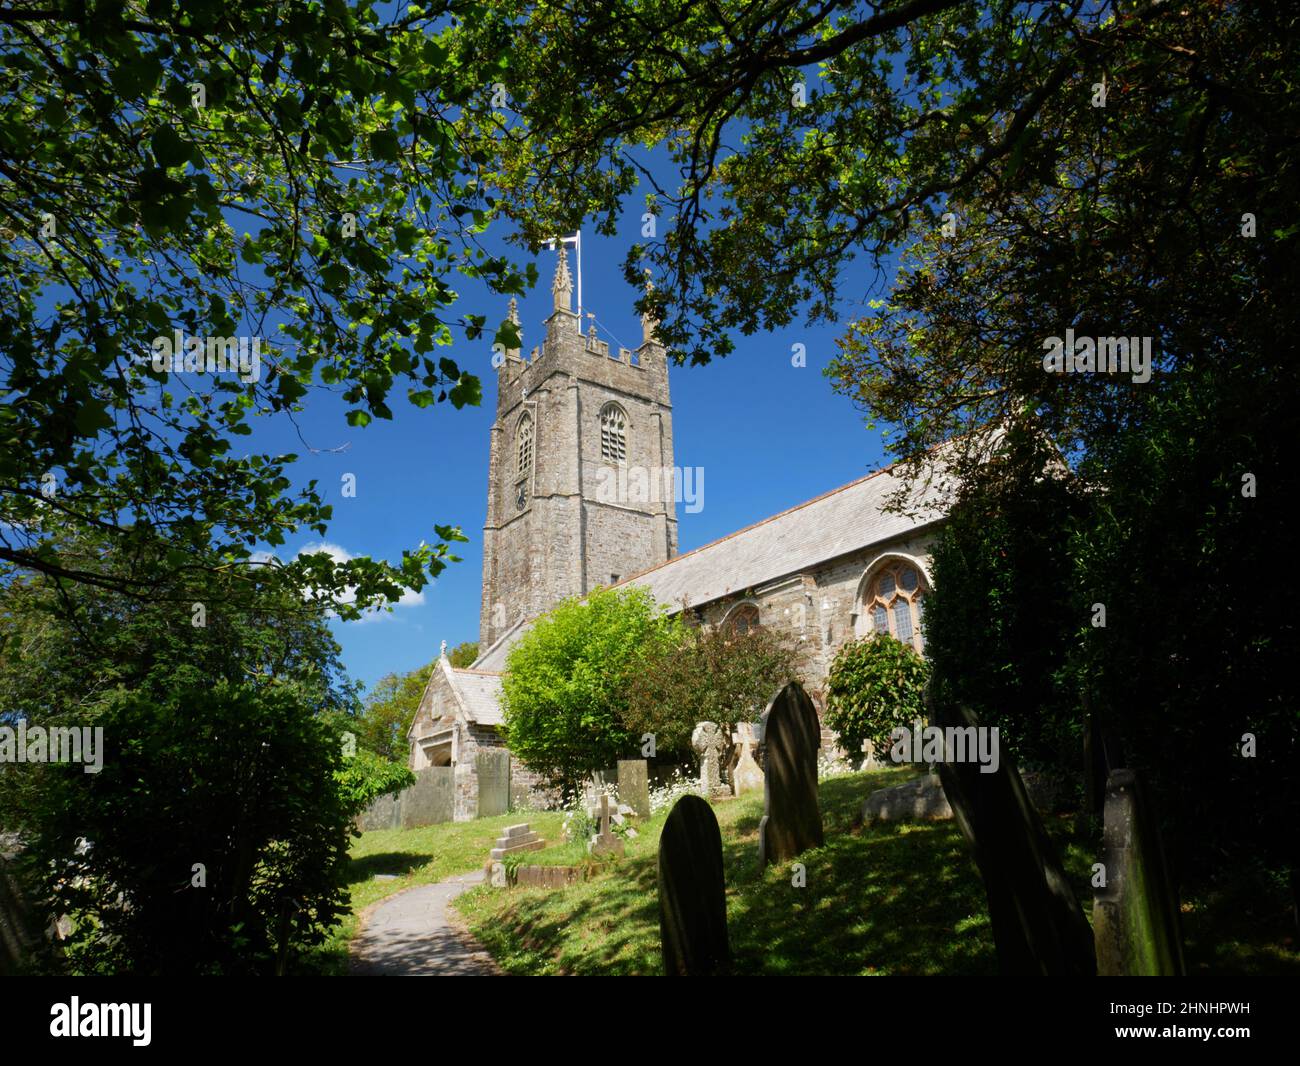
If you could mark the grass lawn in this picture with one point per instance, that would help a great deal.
(895, 899)
(899, 900)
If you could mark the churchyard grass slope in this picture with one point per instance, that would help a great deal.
(898, 899)
(895, 898)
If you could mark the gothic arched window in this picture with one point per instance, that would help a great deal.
(741, 619)
(524, 446)
(893, 603)
(613, 433)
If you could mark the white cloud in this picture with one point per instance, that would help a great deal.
(409, 598)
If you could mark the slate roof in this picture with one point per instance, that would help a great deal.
(836, 523)
(493, 659)
(840, 521)
(481, 693)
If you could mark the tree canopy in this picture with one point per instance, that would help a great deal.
(218, 172)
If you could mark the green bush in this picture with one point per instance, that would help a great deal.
(704, 675)
(566, 682)
(1004, 615)
(213, 841)
(875, 684)
(366, 776)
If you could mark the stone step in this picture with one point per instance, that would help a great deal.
(520, 830)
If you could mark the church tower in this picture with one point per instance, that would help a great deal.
(580, 473)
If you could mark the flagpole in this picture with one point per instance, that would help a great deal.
(577, 243)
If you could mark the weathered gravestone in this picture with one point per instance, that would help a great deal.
(20, 940)
(492, 768)
(747, 775)
(515, 839)
(1038, 926)
(919, 800)
(606, 841)
(707, 740)
(634, 785)
(431, 799)
(1135, 914)
(692, 894)
(792, 821)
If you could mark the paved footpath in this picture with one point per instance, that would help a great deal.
(410, 935)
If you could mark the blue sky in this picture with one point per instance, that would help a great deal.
(767, 434)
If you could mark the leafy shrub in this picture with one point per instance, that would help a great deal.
(704, 675)
(213, 841)
(1003, 616)
(565, 684)
(875, 684)
(366, 776)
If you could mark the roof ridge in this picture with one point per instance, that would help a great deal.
(493, 646)
(755, 525)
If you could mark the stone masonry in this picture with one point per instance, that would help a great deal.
(555, 529)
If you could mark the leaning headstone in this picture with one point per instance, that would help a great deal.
(634, 785)
(606, 841)
(515, 839)
(747, 775)
(1038, 926)
(919, 800)
(792, 821)
(492, 768)
(1135, 914)
(707, 740)
(692, 894)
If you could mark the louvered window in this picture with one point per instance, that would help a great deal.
(613, 434)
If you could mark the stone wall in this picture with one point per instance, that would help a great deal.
(820, 611)
(569, 536)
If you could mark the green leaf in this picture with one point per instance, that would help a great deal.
(384, 145)
(169, 147)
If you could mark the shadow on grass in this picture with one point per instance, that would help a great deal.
(397, 863)
(892, 900)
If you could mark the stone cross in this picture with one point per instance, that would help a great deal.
(606, 841)
(869, 760)
(707, 740)
(748, 775)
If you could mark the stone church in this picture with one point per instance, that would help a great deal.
(580, 434)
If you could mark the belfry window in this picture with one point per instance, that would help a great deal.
(524, 446)
(613, 434)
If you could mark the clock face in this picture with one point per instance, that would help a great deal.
(521, 496)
